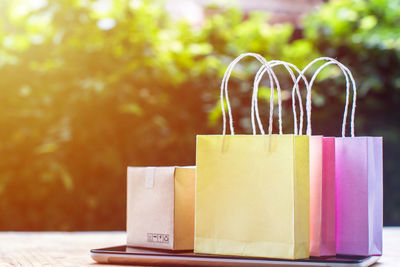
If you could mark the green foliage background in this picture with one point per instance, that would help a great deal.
(80, 103)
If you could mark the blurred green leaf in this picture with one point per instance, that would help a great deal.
(88, 88)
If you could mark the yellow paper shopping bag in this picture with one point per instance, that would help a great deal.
(252, 191)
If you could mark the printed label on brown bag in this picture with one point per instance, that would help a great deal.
(157, 238)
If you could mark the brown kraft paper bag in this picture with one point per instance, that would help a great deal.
(160, 207)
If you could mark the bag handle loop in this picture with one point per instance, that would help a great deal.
(224, 90)
(288, 67)
(347, 73)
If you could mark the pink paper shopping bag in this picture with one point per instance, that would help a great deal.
(359, 185)
(322, 174)
(322, 196)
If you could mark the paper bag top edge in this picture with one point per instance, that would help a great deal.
(144, 167)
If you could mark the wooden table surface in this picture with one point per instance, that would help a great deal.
(72, 248)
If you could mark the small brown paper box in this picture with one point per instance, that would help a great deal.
(160, 207)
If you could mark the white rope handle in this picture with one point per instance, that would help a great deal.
(224, 89)
(288, 66)
(308, 104)
(273, 79)
(347, 95)
(347, 73)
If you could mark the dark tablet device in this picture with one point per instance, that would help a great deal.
(142, 256)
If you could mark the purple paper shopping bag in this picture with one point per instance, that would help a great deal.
(359, 195)
(359, 185)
